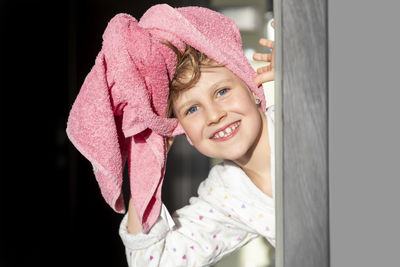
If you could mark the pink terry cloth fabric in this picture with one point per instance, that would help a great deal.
(119, 113)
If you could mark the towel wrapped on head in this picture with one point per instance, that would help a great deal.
(119, 113)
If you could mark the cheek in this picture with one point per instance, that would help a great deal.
(192, 130)
(243, 104)
(252, 115)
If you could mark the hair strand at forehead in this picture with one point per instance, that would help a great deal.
(187, 73)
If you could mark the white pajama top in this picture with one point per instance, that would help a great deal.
(228, 212)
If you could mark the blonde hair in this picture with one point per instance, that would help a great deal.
(187, 72)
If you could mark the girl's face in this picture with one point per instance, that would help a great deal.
(219, 115)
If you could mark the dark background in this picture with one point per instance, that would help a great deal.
(52, 212)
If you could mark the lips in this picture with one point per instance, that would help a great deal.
(226, 133)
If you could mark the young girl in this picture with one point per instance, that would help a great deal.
(179, 69)
(223, 119)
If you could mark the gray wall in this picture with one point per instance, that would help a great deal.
(364, 133)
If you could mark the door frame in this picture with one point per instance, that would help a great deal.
(301, 112)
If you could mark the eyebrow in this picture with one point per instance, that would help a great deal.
(211, 88)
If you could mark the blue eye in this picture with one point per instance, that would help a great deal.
(191, 110)
(222, 91)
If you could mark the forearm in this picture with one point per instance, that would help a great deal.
(201, 239)
(134, 225)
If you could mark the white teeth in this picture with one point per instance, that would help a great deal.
(227, 131)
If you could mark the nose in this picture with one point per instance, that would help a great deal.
(215, 113)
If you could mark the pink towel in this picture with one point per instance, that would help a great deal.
(119, 113)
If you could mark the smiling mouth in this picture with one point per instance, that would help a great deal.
(226, 133)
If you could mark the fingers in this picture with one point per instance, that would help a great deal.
(264, 77)
(266, 43)
(262, 57)
(265, 73)
(264, 69)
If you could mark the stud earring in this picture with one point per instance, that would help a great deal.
(258, 101)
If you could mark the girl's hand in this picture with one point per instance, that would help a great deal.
(266, 73)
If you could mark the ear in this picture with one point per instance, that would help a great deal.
(256, 98)
(252, 93)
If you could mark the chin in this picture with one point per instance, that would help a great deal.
(237, 155)
(238, 152)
